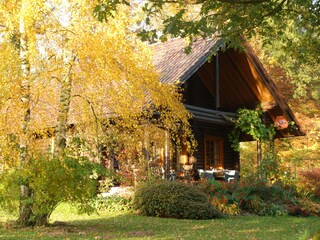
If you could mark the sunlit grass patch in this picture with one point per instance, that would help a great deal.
(67, 224)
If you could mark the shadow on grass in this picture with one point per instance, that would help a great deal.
(124, 226)
(131, 226)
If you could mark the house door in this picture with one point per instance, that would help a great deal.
(213, 152)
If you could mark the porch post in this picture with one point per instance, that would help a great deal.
(259, 158)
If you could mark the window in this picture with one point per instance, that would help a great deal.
(213, 152)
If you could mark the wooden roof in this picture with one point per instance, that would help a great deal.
(244, 83)
(174, 65)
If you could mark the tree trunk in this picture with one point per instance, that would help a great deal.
(64, 107)
(43, 220)
(167, 156)
(25, 210)
(25, 90)
(146, 152)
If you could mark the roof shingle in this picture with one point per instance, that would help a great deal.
(174, 65)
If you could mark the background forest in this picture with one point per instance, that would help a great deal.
(295, 154)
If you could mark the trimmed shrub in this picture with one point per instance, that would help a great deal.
(173, 199)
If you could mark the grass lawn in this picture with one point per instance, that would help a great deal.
(69, 225)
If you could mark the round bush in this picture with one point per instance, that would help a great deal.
(173, 199)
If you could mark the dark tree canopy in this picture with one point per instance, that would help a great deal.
(288, 29)
(231, 18)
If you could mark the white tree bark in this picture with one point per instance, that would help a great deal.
(63, 111)
(25, 88)
(24, 210)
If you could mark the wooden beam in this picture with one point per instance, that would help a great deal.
(211, 116)
(268, 105)
(217, 81)
(206, 110)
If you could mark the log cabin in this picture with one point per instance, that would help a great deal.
(215, 84)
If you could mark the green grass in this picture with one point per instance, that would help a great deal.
(69, 225)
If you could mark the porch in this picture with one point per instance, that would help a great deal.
(189, 174)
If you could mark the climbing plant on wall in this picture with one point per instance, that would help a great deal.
(250, 123)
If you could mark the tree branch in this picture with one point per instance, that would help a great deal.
(238, 2)
(94, 115)
(3, 26)
(91, 107)
(243, 2)
(274, 11)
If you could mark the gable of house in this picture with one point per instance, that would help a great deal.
(215, 86)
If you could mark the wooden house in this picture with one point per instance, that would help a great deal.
(214, 87)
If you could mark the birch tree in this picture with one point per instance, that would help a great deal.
(61, 67)
(18, 30)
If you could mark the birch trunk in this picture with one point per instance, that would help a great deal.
(25, 208)
(64, 107)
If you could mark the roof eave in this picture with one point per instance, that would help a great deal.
(274, 91)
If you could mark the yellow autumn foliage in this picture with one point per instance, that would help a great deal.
(111, 70)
